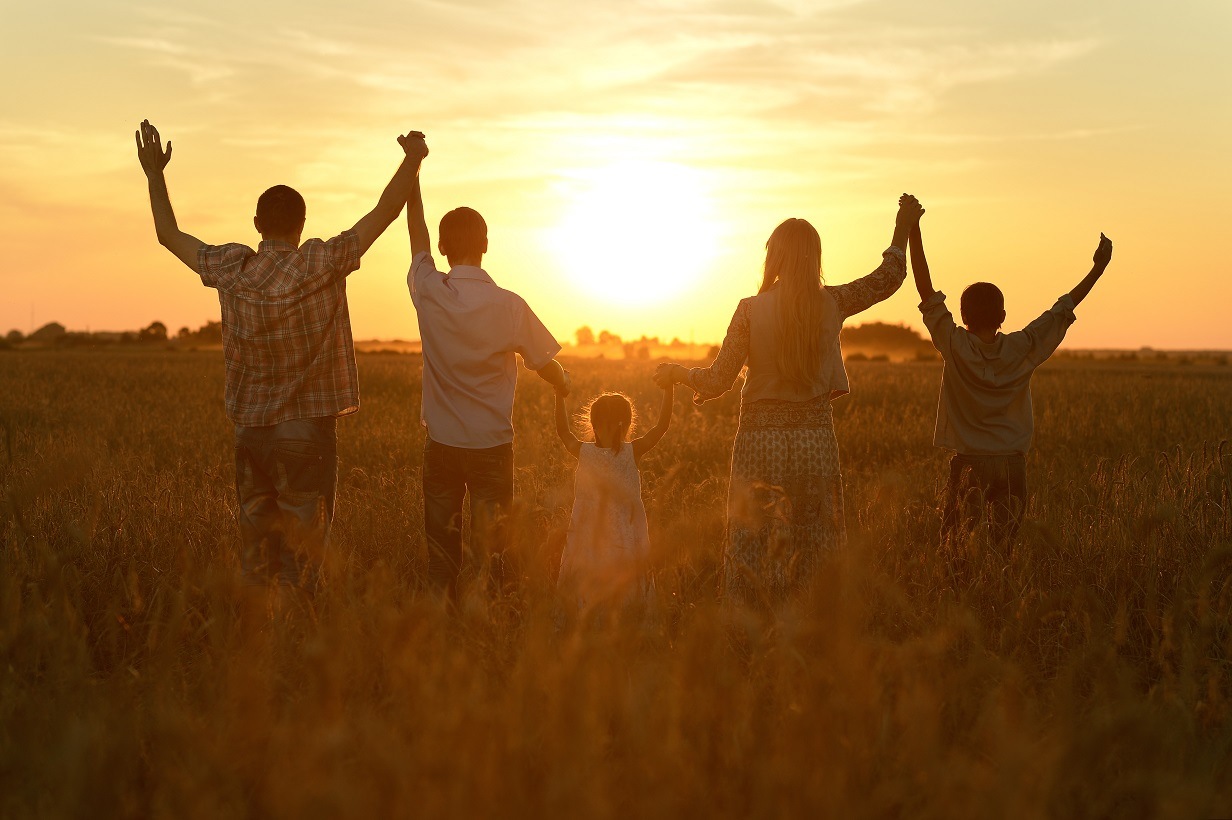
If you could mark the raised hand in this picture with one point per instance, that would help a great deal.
(909, 210)
(911, 201)
(414, 145)
(1103, 254)
(150, 150)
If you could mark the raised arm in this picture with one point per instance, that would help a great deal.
(417, 226)
(395, 195)
(153, 161)
(861, 294)
(562, 428)
(908, 216)
(647, 442)
(1103, 255)
(919, 264)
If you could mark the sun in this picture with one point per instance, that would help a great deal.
(636, 232)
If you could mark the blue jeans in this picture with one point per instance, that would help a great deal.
(448, 473)
(285, 478)
(980, 485)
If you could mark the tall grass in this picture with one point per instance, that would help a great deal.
(1084, 673)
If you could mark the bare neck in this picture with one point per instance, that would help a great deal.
(273, 237)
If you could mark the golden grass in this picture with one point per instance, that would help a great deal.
(1085, 674)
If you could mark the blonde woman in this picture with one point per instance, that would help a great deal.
(785, 499)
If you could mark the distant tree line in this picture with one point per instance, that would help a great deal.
(54, 334)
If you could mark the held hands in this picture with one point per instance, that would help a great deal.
(1103, 254)
(909, 210)
(669, 373)
(150, 150)
(566, 384)
(414, 145)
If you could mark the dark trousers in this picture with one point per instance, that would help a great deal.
(285, 478)
(979, 486)
(447, 475)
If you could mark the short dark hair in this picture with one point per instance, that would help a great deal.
(281, 211)
(463, 234)
(982, 306)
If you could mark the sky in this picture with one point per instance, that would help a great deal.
(632, 158)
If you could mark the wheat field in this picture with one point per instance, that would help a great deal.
(1085, 673)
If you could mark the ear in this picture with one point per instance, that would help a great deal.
(1000, 318)
(485, 245)
(256, 223)
(440, 246)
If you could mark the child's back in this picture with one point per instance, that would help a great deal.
(985, 403)
(608, 539)
(604, 559)
(984, 413)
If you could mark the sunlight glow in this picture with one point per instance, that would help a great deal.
(637, 231)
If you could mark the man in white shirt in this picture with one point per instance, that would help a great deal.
(470, 330)
(984, 412)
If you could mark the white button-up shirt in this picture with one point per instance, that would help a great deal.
(470, 330)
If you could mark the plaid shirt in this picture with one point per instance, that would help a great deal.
(286, 330)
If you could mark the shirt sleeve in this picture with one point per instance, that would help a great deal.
(343, 252)
(939, 321)
(220, 266)
(423, 274)
(877, 286)
(1044, 335)
(713, 381)
(532, 340)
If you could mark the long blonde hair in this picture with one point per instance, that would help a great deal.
(793, 262)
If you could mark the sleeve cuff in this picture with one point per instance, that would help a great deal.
(539, 365)
(938, 298)
(895, 250)
(1065, 306)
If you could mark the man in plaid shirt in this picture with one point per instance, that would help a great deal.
(290, 359)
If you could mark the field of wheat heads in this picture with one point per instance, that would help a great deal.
(1084, 673)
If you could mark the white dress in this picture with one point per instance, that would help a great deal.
(608, 542)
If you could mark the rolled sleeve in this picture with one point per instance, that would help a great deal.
(423, 273)
(1046, 333)
(343, 252)
(220, 266)
(939, 321)
(533, 342)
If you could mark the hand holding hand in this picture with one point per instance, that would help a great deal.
(414, 145)
(909, 210)
(1103, 254)
(566, 384)
(150, 150)
(667, 374)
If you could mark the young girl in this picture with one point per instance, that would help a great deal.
(607, 545)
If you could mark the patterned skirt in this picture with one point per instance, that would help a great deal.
(785, 499)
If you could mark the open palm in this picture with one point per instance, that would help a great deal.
(150, 149)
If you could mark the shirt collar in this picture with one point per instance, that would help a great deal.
(268, 245)
(470, 272)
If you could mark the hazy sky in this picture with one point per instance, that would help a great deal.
(631, 158)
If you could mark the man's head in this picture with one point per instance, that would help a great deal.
(982, 307)
(280, 213)
(463, 237)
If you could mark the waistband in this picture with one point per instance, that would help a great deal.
(775, 414)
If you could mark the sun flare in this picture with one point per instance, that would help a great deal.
(636, 232)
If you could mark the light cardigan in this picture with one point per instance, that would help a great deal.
(751, 340)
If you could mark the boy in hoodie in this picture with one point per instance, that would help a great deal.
(984, 412)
